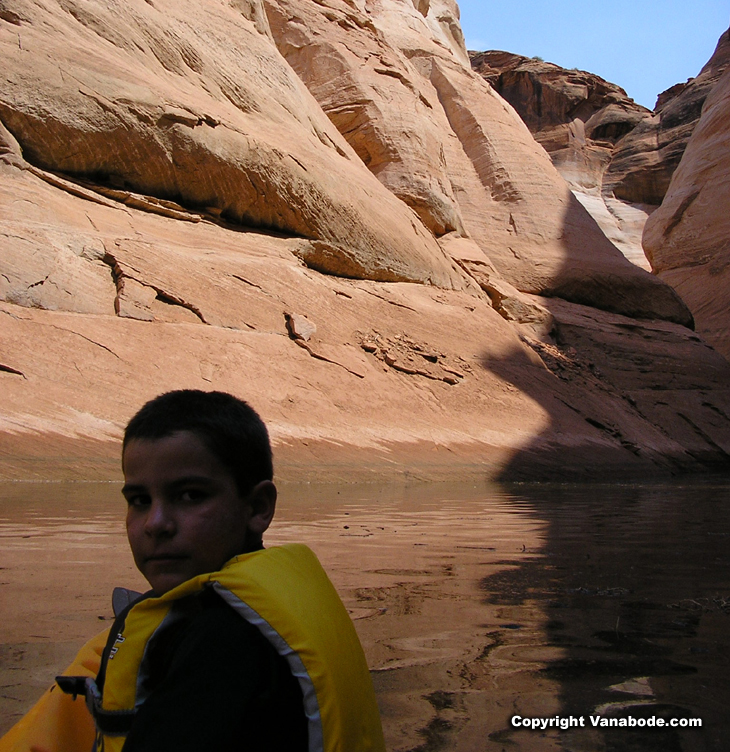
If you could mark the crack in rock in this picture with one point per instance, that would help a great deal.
(69, 186)
(112, 197)
(10, 369)
(403, 354)
(88, 339)
(186, 117)
(39, 282)
(170, 299)
(703, 434)
(120, 276)
(161, 206)
(306, 346)
(388, 300)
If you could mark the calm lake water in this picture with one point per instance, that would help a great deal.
(474, 603)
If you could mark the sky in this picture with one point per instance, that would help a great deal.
(644, 46)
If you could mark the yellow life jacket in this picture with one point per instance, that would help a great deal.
(56, 723)
(285, 593)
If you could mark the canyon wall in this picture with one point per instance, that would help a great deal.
(319, 207)
(617, 156)
(688, 238)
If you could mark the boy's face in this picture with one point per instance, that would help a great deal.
(185, 515)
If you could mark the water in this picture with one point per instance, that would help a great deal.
(474, 603)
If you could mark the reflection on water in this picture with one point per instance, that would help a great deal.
(634, 586)
(474, 604)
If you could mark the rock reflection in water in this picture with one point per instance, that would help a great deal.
(473, 603)
(633, 583)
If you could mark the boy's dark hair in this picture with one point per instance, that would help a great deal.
(229, 428)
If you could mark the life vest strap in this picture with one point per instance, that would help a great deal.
(110, 722)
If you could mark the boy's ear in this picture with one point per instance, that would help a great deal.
(262, 502)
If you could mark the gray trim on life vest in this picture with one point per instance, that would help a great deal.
(309, 694)
(122, 598)
(179, 609)
(109, 722)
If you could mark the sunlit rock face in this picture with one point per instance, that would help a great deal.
(688, 238)
(617, 156)
(577, 116)
(191, 102)
(181, 181)
(580, 119)
(440, 139)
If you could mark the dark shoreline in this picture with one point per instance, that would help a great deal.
(47, 457)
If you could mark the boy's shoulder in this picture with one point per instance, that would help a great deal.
(214, 665)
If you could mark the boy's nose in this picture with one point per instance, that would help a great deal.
(159, 519)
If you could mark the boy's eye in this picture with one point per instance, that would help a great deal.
(192, 495)
(137, 501)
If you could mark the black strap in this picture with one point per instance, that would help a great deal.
(110, 722)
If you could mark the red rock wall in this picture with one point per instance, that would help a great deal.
(688, 238)
(181, 179)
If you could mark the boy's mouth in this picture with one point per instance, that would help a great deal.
(162, 558)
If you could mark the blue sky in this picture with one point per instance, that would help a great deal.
(644, 46)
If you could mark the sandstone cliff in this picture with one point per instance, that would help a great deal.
(644, 162)
(688, 238)
(318, 206)
(617, 156)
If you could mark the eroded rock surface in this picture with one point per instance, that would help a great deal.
(580, 119)
(564, 109)
(196, 105)
(617, 156)
(644, 162)
(440, 139)
(180, 180)
(688, 238)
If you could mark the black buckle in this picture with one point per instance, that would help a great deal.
(72, 685)
(112, 722)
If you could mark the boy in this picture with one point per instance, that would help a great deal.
(235, 647)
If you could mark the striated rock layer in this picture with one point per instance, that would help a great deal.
(319, 207)
(440, 139)
(577, 116)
